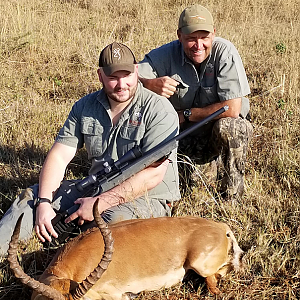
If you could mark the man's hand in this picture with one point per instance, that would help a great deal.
(43, 226)
(164, 86)
(85, 211)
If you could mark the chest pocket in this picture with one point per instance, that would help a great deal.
(129, 137)
(206, 95)
(181, 98)
(93, 133)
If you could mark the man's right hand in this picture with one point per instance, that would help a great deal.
(164, 86)
(43, 226)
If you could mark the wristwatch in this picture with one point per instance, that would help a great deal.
(41, 200)
(187, 113)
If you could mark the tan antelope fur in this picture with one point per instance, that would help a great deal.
(149, 254)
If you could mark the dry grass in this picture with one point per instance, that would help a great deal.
(48, 59)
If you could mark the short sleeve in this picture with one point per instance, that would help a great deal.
(146, 70)
(162, 124)
(231, 78)
(70, 134)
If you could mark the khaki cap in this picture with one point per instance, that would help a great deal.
(194, 18)
(116, 57)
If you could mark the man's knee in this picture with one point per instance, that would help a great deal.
(232, 132)
(232, 136)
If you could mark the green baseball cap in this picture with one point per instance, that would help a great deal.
(116, 57)
(194, 18)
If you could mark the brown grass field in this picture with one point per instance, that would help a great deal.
(48, 59)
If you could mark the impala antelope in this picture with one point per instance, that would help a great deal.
(133, 256)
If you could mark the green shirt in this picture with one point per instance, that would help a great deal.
(147, 121)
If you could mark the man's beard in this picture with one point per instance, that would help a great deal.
(114, 96)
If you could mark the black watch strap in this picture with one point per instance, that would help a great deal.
(186, 113)
(41, 200)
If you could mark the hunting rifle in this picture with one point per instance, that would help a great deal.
(110, 176)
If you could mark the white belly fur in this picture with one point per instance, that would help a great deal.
(111, 290)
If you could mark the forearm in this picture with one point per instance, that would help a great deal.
(153, 85)
(50, 179)
(146, 82)
(53, 170)
(137, 185)
(234, 110)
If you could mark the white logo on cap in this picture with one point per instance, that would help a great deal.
(117, 53)
(198, 17)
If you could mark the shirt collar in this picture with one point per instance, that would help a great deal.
(103, 99)
(183, 56)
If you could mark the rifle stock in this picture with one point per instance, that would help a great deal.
(131, 163)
